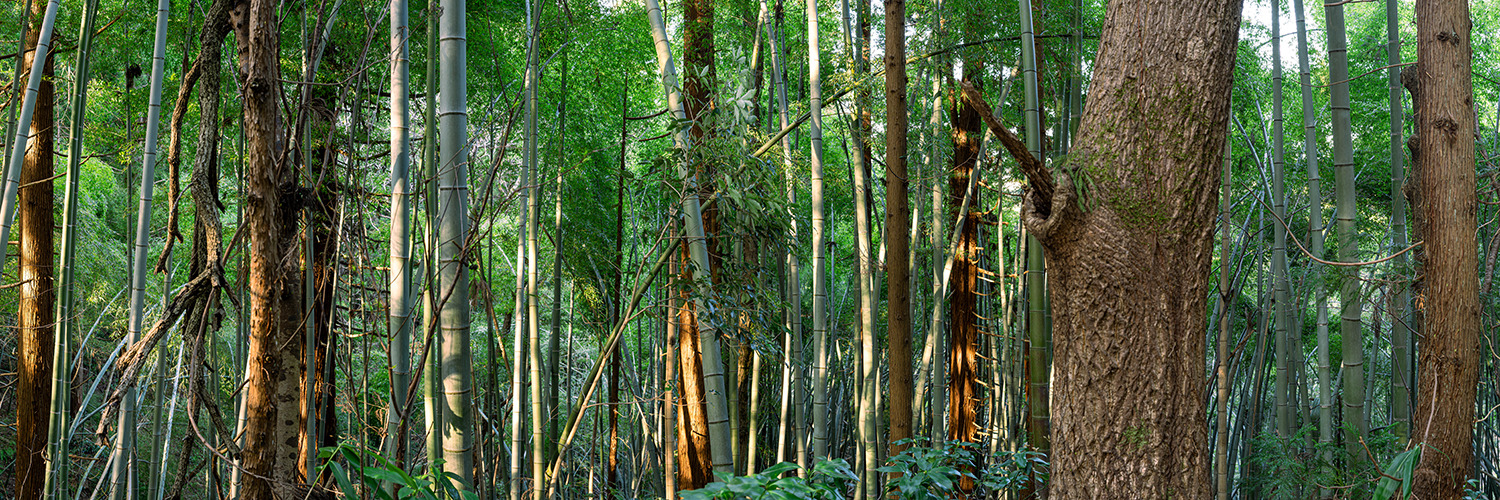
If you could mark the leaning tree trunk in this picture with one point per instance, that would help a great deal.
(1444, 158)
(1146, 167)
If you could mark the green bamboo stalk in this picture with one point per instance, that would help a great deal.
(123, 457)
(1401, 349)
(56, 482)
(1350, 303)
(713, 366)
(1315, 232)
(400, 305)
(820, 258)
(1282, 312)
(453, 232)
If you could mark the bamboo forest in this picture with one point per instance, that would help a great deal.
(749, 249)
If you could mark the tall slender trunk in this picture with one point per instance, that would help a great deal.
(898, 288)
(1039, 421)
(554, 339)
(525, 334)
(1282, 295)
(1400, 303)
(399, 324)
(275, 291)
(453, 234)
(35, 347)
(820, 276)
(1444, 162)
(1221, 408)
(1315, 231)
(1350, 304)
(56, 482)
(790, 437)
(123, 458)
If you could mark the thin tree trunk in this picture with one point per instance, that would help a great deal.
(1315, 233)
(1282, 295)
(1444, 159)
(1400, 304)
(56, 482)
(820, 277)
(123, 457)
(1221, 409)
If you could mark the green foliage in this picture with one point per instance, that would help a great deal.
(827, 481)
(375, 473)
(934, 472)
(1284, 468)
(1398, 475)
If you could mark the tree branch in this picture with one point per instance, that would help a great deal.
(1036, 173)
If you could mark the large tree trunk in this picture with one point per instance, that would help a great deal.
(1128, 271)
(35, 317)
(1444, 161)
(270, 453)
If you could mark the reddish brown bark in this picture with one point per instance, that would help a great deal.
(1448, 363)
(963, 357)
(34, 218)
(270, 452)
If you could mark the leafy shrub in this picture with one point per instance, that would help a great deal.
(827, 481)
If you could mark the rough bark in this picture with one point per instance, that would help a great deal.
(35, 220)
(270, 453)
(963, 355)
(1448, 364)
(898, 326)
(694, 466)
(1128, 415)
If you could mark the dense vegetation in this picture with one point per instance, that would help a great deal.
(616, 249)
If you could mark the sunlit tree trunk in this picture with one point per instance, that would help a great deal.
(1449, 361)
(963, 355)
(275, 284)
(706, 336)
